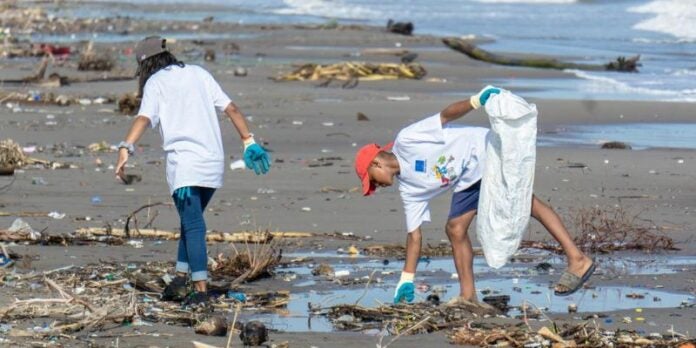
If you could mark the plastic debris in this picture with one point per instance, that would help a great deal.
(56, 215)
(237, 165)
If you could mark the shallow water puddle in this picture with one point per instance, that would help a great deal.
(613, 265)
(638, 135)
(512, 280)
(601, 299)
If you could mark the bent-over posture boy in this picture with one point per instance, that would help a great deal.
(433, 156)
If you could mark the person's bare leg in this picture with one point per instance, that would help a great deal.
(413, 249)
(200, 286)
(463, 253)
(578, 262)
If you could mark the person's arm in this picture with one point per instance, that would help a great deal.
(255, 156)
(238, 120)
(134, 134)
(455, 111)
(461, 108)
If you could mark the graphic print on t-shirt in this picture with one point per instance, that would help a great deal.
(445, 174)
(420, 166)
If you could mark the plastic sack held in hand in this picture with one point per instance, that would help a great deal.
(505, 200)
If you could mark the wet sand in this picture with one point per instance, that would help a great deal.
(313, 133)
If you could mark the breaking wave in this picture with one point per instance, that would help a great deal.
(674, 17)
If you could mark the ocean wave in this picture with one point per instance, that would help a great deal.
(674, 17)
(608, 84)
(327, 9)
(528, 1)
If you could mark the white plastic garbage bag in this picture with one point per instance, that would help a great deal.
(505, 200)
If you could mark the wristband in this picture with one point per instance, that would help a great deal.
(248, 140)
(475, 101)
(128, 146)
(406, 277)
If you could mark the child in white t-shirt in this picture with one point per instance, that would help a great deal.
(433, 156)
(181, 100)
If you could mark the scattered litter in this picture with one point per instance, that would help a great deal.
(56, 215)
(21, 230)
(237, 165)
(342, 273)
(211, 326)
(135, 243)
(323, 269)
(209, 55)
(240, 71)
(239, 296)
(254, 333)
(38, 181)
(90, 60)
(362, 117)
(128, 104)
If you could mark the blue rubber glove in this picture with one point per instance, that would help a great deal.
(255, 157)
(481, 98)
(405, 290)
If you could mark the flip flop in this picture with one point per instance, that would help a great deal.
(572, 282)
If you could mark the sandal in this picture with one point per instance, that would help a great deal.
(572, 282)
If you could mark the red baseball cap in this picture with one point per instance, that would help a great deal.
(363, 159)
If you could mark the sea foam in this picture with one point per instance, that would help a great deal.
(674, 17)
(611, 85)
(327, 9)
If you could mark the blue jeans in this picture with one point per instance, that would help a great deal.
(192, 255)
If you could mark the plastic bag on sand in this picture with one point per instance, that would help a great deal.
(505, 200)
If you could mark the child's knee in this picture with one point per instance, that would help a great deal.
(455, 230)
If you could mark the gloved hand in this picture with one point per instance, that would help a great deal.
(481, 98)
(404, 289)
(255, 157)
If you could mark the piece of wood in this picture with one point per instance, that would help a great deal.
(622, 64)
(241, 237)
(197, 344)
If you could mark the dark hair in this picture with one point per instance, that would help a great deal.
(151, 65)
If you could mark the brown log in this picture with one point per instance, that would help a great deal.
(621, 64)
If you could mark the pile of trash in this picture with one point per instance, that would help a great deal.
(586, 334)
(417, 318)
(11, 156)
(465, 319)
(30, 97)
(355, 71)
(106, 295)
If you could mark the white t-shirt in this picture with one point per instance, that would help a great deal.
(182, 101)
(434, 158)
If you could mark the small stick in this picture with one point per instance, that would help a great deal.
(366, 286)
(405, 331)
(234, 321)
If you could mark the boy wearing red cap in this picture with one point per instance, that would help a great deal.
(432, 156)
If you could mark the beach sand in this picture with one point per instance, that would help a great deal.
(312, 133)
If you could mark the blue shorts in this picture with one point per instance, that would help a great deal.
(465, 201)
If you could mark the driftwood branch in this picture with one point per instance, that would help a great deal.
(621, 64)
(133, 216)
